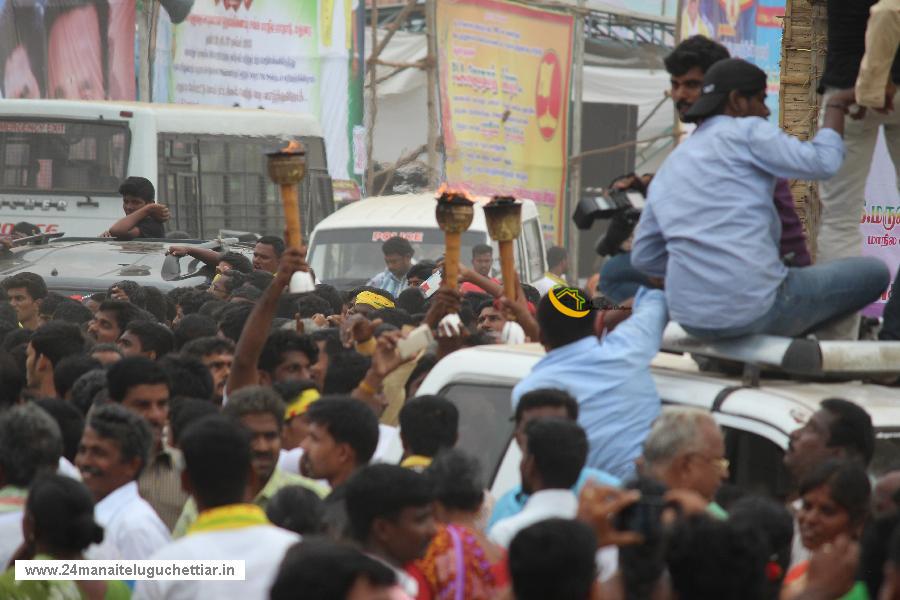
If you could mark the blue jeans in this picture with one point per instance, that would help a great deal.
(619, 281)
(810, 297)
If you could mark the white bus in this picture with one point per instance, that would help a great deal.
(63, 160)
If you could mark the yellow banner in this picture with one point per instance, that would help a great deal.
(504, 86)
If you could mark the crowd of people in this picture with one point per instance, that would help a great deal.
(241, 421)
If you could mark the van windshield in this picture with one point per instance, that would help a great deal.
(354, 255)
(58, 155)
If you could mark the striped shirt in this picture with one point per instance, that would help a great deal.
(160, 485)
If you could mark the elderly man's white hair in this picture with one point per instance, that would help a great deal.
(675, 432)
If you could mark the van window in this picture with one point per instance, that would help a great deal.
(485, 422)
(355, 254)
(60, 156)
(531, 231)
(756, 464)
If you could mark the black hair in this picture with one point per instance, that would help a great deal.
(696, 51)
(63, 513)
(51, 302)
(232, 280)
(311, 304)
(392, 316)
(848, 485)
(217, 460)
(72, 312)
(397, 246)
(555, 255)
(348, 421)
(233, 319)
(297, 509)
(191, 301)
(281, 342)
(212, 308)
(12, 381)
(30, 443)
(456, 480)
(123, 312)
(326, 570)
(154, 337)
(276, 242)
(69, 420)
(553, 559)
(531, 293)
(260, 279)
(382, 491)
(158, 305)
(87, 387)
(237, 261)
(345, 370)
(31, 282)
(643, 564)
(139, 187)
(15, 338)
(411, 301)
(188, 376)
(204, 346)
(332, 296)
(290, 389)
(246, 292)
(559, 449)
(731, 560)
(546, 397)
(851, 429)
(422, 269)
(184, 411)
(479, 249)
(24, 227)
(874, 551)
(558, 329)
(191, 327)
(423, 367)
(56, 340)
(776, 524)
(128, 429)
(255, 399)
(133, 371)
(429, 424)
(133, 290)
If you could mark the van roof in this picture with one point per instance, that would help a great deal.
(175, 118)
(404, 210)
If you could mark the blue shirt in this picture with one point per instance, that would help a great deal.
(389, 282)
(710, 226)
(611, 381)
(512, 502)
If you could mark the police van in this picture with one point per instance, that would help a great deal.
(63, 162)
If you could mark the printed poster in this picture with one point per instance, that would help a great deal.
(296, 56)
(504, 73)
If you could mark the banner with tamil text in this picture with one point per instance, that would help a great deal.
(504, 75)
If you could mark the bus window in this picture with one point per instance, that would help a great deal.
(54, 156)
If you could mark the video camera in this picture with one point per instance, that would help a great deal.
(622, 205)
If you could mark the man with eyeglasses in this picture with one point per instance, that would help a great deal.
(686, 451)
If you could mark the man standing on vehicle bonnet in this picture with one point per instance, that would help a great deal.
(143, 216)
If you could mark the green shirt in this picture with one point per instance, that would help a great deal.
(12, 589)
(12, 499)
(278, 480)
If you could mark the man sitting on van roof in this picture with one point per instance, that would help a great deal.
(398, 254)
(143, 218)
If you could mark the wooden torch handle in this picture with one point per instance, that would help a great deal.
(451, 259)
(291, 215)
(508, 268)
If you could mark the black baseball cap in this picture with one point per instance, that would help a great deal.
(725, 76)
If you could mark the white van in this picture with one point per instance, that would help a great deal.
(63, 162)
(345, 248)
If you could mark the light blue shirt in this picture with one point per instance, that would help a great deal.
(389, 282)
(710, 226)
(512, 502)
(611, 381)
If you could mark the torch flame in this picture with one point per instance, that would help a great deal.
(445, 192)
(293, 147)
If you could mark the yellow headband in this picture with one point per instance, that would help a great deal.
(374, 300)
(301, 404)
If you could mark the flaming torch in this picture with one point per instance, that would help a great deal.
(504, 221)
(287, 167)
(454, 214)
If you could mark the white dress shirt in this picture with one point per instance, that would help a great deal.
(131, 528)
(261, 547)
(546, 504)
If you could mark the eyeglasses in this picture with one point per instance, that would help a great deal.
(721, 463)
